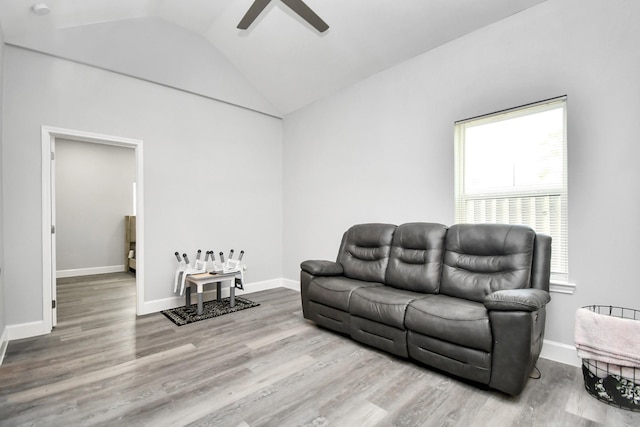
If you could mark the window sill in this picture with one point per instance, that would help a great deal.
(562, 287)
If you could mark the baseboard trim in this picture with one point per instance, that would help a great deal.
(4, 343)
(177, 301)
(261, 286)
(89, 271)
(26, 330)
(562, 287)
(559, 352)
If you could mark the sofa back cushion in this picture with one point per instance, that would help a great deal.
(483, 258)
(364, 252)
(415, 263)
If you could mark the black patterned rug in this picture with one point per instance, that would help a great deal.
(185, 315)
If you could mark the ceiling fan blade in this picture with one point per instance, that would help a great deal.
(256, 9)
(307, 14)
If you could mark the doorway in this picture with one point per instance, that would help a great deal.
(49, 136)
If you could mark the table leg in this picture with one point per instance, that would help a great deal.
(232, 295)
(187, 297)
(219, 291)
(200, 303)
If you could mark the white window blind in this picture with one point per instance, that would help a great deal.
(511, 168)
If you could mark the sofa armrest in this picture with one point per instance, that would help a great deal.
(517, 300)
(322, 268)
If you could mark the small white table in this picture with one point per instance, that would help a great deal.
(200, 280)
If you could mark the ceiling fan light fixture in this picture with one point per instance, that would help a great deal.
(40, 9)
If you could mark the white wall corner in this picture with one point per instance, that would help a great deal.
(291, 284)
(4, 343)
(26, 330)
(559, 352)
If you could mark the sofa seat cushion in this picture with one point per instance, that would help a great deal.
(455, 320)
(335, 291)
(384, 304)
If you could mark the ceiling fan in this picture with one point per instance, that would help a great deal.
(297, 6)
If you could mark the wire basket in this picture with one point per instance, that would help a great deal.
(617, 386)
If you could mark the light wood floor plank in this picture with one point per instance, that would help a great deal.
(132, 367)
(265, 366)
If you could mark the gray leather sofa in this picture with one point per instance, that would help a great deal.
(468, 300)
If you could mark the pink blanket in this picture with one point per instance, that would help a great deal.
(607, 339)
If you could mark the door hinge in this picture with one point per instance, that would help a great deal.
(53, 229)
(53, 304)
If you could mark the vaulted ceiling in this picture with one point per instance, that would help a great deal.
(286, 60)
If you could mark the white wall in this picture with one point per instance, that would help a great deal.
(212, 172)
(94, 191)
(383, 149)
(155, 50)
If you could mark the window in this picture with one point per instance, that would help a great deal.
(511, 168)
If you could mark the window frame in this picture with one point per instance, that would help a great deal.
(560, 241)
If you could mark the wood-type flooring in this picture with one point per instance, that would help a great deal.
(265, 366)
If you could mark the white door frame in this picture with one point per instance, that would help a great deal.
(49, 134)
